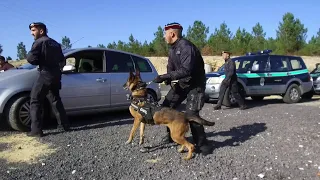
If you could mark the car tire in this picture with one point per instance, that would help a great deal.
(18, 106)
(257, 98)
(293, 94)
(152, 95)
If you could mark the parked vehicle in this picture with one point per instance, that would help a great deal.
(315, 74)
(91, 82)
(261, 74)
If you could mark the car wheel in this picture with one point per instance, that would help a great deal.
(152, 96)
(293, 94)
(18, 113)
(257, 98)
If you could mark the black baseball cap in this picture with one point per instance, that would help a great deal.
(37, 24)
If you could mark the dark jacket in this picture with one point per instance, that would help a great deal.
(6, 66)
(230, 72)
(47, 53)
(186, 64)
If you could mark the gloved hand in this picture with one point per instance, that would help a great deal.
(161, 78)
(167, 82)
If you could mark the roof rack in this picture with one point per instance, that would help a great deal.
(266, 51)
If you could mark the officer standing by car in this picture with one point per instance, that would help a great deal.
(47, 53)
(229, 81)
(185, 64)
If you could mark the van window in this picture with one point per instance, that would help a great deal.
(278, 64)
(297, 63)
(141, 64)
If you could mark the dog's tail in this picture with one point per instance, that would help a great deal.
(200, 120)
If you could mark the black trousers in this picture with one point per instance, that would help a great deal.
(195, 102)
(234, 88)
(49, 87)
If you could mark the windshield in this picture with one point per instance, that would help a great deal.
(221, 68)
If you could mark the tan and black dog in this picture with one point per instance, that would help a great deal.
(177, 122)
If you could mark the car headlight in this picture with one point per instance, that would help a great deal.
(214, 80)
(318, 79)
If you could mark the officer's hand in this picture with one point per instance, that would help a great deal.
(158, 79)
(167, 82)
(161, 78)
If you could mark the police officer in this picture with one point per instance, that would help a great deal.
(185, 64)
(47, 53)
(229, 81)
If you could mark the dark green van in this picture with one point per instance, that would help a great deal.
(261, 74)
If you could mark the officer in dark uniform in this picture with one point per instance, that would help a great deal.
(229, 81)
(185, 64)
(47, 53)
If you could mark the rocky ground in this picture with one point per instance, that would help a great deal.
(270, 140)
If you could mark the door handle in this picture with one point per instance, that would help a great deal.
(101, 80)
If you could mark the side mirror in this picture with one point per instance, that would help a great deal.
(68, 68)
(255, 67)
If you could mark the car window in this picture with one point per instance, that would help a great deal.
(278, 64)
(118, 62)
(87, 61)
(297, 63)
(142, 64)
(262, 62)
(244, 65)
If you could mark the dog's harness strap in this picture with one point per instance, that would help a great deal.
(147, 111)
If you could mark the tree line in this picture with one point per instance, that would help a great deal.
(290, 40)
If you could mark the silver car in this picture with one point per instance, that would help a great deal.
(91, 82)
(315, 74)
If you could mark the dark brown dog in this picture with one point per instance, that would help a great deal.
(175, 120)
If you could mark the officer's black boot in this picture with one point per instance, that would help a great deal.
(35, 134)
(167, 138)
(199, 138)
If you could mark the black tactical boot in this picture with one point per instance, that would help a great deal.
(167, 139)
(217, 107)
(35, 134)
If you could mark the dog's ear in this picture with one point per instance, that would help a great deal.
(137, 72)
(131, 73)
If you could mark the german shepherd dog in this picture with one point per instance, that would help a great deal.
(176, 121)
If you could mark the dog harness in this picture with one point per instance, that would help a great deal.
(147, 110)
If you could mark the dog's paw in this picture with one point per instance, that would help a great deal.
(141, 142)
(128, 142)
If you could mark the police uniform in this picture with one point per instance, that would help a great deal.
(186, 64)
(47, 53)
(230, 81)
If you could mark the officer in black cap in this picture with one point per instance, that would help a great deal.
(47, 53)
(231, 81)
(185, 64)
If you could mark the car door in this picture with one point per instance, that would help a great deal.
(118, 68)
(257, 77)
(88, 86)
(278, 75)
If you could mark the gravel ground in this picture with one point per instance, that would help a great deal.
(270, 140)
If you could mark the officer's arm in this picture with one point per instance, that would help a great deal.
(187, 59)
(170, 66)
(231, 67)
(35, 53)
(62, 61)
